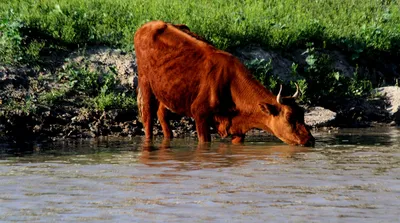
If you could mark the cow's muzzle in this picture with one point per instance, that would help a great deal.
(310, 142)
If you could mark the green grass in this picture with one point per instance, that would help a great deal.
(356, 25)
(75, 85)
(100, 89)
(318, 81)
(54, 96)
(112, 100)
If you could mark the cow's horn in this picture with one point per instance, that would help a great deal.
(279, 97)
(296, 95)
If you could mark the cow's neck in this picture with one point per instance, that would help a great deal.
(242, 123)
(247, 95)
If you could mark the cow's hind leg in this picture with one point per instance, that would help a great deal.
(162, 114)
(147, 107)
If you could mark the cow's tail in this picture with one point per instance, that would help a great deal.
(139, 101)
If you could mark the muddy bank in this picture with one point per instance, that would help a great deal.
(41, 103)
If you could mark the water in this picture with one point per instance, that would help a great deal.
(350, 176)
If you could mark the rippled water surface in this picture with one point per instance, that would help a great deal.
(350, 176)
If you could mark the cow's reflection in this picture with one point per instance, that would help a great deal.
(214, 155)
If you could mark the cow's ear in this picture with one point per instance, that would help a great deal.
(269, 109)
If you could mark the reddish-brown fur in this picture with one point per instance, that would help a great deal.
(181, 72)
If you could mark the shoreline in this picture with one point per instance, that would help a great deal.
(52, 102)
(183, 128)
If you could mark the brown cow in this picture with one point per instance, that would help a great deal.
(181, 72)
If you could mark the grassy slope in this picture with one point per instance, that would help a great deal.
(355, 25)
(31, 28)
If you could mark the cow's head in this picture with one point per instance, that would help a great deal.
(285, 119)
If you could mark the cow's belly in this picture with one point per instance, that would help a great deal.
(177, 79)
(176, 94)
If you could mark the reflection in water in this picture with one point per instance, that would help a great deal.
(213, 155)
(350, 176)
(364, 136)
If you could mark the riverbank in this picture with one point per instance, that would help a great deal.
(90, 93)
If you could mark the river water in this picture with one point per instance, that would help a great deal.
(351, 175)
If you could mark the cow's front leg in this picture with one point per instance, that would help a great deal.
(203, 129)
(202, 119)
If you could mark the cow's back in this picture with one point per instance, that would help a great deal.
(176, 65)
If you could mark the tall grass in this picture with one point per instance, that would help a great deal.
(353, 25)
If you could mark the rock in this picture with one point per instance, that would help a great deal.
(361, 112)
(115, 128)
(94, 128)
(88, 134)
(137, 131)
(392, 97)
(319, 117)
(37, 128)
(124, 115)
